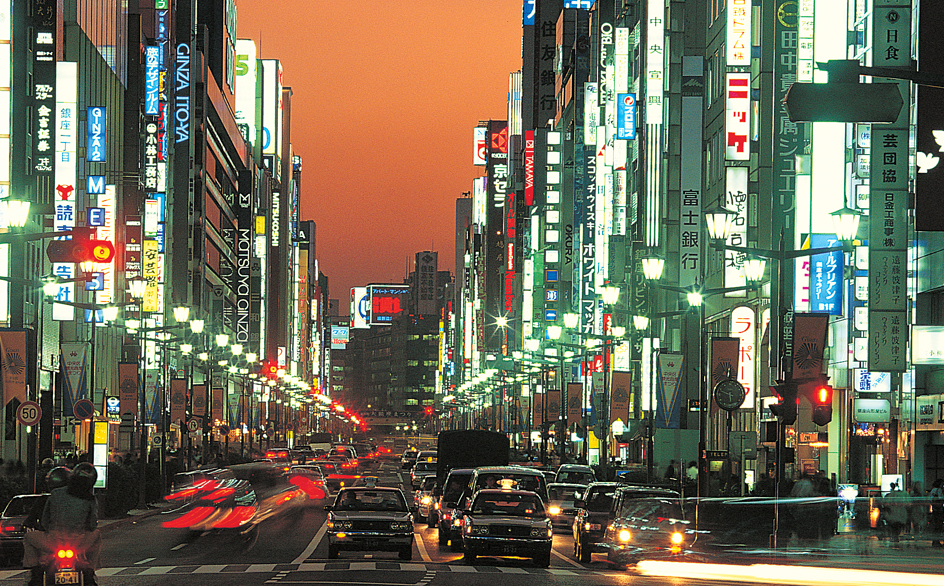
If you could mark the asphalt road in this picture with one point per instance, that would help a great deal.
(289, 548)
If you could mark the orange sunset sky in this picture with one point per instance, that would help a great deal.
(384, 99)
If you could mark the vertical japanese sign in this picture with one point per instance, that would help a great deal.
(736, 201)
(626, 116)
(654, 87)
(96, 128)
(621, 390)
(150, 272)
(151, 79)
(888, 202)
(826, 276)
(13, 363)
(738, 38)
(690, 172)
(743, 327)
(43, 50)
(66, 145)
(574, 403)
(738, 117)
(805, 25)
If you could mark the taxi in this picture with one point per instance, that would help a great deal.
(503, 522)
(370, 518)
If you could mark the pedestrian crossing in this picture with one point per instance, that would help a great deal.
(332, 566)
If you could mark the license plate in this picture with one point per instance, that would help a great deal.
(509, 549)
(595, 527)
(66, 577)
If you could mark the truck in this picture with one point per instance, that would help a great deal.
(469, 448)
(320, 441)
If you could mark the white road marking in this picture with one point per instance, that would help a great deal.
(144, 561)
(313, 544)
(156, 570)
(176, 547)
(567, 559)
(420, 545)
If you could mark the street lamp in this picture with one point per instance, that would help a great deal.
(14, 213)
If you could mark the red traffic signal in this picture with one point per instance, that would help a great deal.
(428, 410)
(81, 248)
(822, 404)
(270, 369)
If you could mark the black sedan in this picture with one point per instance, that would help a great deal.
(370, 519)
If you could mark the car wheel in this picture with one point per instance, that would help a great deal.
(543, 560)
(406, 553)
(584, 553)
(332, 552)
(468, 557)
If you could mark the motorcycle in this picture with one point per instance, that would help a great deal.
(68, 566)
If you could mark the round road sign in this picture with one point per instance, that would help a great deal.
(193, 424)
(29, 413)
(83, 409)
(157, 441)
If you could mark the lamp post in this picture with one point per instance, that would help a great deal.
(137, 287)
(846, 225)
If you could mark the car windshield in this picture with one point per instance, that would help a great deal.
(370, 500)
(600, 499)
(428, 483)
(517, 481)
(425, 467)
(575, 477)
(560, 493)
(512, 505)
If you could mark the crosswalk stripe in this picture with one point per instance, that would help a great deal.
(156, 570)
(213, 569)
(462, 569)
(512, 570)
(263, 568)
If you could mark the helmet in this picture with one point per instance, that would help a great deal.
(57, 477)
(86, 471)
(83, 479)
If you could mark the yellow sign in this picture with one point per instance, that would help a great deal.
(150, 270)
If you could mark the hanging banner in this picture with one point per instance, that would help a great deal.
(553, 405)
(724, 363)
(809, 342)
(178, 400)
(153, 391)
(13, 352)
(668, 408)
(217, 406)
(198, 401)
(235, 412)
(574, 403)
(128, 386)
(621, 383)
(74, 356)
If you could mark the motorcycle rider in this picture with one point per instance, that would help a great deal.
(69, 517)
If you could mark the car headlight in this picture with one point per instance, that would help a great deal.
(586, 526)
(554, 510)
(478, 529)
(539, 532)
(624, 535)
(457, 522)
(399, 525)
(342, 525)
(677, 538)
(425, 500)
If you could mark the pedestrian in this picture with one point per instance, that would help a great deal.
(896, 511)
(937, 512)
(918, 512)
(803, 487)
(670, 473)
(692, 472)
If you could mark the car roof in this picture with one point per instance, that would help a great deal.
(515, 469)
(574, 485)
(372, 488)
(575, 468)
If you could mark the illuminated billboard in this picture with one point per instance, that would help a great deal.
(246, 85)
(360, 308)
(738, 117)
(271, 109)
(387, 302)
(738, 43)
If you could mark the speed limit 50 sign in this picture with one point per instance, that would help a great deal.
(29, 413)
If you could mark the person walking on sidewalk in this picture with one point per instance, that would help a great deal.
(937, 512)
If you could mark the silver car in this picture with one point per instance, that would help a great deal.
(370, 519)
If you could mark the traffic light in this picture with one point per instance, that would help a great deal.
(786, 409)
(81, 248)
(822, 404)
(270, 369)
(428, 410)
